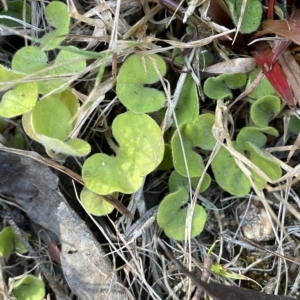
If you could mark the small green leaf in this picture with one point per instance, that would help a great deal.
(15, 10)
(7, 75)
(95, 203)
(234, 81)
(30, 59)
(58, 17)
(172, 215)
(136, 73)
(19, 100)
(29, 288)
(252, 135)
(220, 87)
(71, 101)
(187, 108)
(251, 17)
(193, 135)
(57, 140)
(264, 88)
(52, 118)
(263, 108)
(228, 175)
(266, 163)
(141, 151)
(294, 125)
(9, 242)
(216, 89)
(203, 126)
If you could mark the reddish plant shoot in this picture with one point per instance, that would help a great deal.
(263, 56)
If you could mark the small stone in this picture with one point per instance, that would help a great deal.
(256, 225)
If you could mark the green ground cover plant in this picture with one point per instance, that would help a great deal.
(128, 127)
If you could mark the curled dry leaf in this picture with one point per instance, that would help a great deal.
(238, 65)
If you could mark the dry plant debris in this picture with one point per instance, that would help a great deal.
(176, 123)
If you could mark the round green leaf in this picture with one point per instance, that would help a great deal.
(95, 203)
(141, 151)
(264, 88)
(7, 75)
(220, 87)
(19, 100)
(216, 89)
(266, 163)
(9, 242)
(234, 81)
(137, 72)
(252, 16)
(29, 59)
(187, 108)
(52, 118)
(58, 17)
(252, 135)
(29, 288)
(193, 135)
(172, 215)
(228, 175)
(74, 147)
(263, 108)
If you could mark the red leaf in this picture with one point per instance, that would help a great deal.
(263, 56)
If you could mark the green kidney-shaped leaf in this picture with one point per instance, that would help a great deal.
(250, 134)
(172, 215)
(52, 118)
(263, 108)
(29, 288)
(220, 87)
(254, 135)
(234, 81)
(55, 138)
(266, 163)
(187, 108)
(264, 88)
(19, 100)
(94, 203)
(141, 151)
(31, 59)
(216, 89)
(58, 17)
(197, 134)
(7, 75)
(9, 242)
(228, 175)
(251, 17)
(136, 73)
